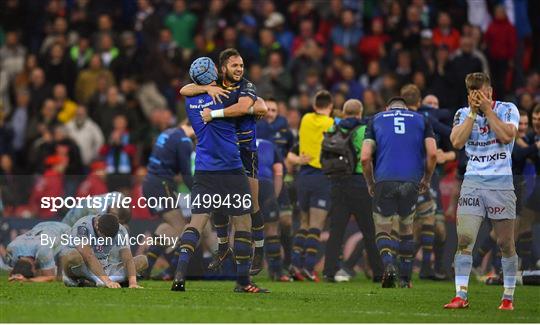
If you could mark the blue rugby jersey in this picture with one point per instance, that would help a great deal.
(268, 156)
(399, 136)
(278, 132)
(490, 162)
(245, 125)
(171, 155)
(217, 142)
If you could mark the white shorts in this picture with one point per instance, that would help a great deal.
(495, 204)
(115, 269)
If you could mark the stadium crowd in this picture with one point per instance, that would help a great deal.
(86, 86)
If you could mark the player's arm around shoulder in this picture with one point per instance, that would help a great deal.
(212, 90)
(463, 125)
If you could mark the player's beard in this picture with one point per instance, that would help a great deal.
(230, 78)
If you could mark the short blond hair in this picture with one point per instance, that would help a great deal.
(477, 80)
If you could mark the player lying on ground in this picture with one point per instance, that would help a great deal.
(27, 259)
(89, 264)
(487, 129)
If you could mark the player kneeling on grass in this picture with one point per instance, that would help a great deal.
(487, 129)
(31, 259)
(87, 261)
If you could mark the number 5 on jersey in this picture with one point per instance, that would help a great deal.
(399, 125)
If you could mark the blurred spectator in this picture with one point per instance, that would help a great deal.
(13, 183)
(280, 78)
(59, 69)
(350, 87)
(182, 24)
(40, 90)
(459, 67)
(410, 33)
(307, 60)
(478, 14)
(64, 106)
(372, 104)
(18, 122)
(261, 82)
(12, 56)
(404, 68)
(86, 83)
(81, 53)
(95, 182)
(372, 46)
(57, 35)
(50, 184)
(131, 59)
(118, 153)
(445, 34)
(347, 34)
(108, 52)
(306, 35)
(87, 134)
(42, 122)
(284, 36)
(104, 28)
(139, 212)
(311, 84)
(147, 23)
(268, 45)
(22, 79)
(501, 42)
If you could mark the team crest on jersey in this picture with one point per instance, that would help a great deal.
(201, 101)
(484, 129)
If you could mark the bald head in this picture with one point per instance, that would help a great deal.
(431, 101)
(353, 108)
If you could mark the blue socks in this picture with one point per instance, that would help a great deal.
(312, 246)
(242, 254)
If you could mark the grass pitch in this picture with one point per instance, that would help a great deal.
(210, 301)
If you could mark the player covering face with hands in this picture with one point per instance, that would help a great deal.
(487, 129)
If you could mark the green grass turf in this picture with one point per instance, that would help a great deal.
(210, 301)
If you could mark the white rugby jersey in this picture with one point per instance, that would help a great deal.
(29, 244)
(85, 228)
(98, 204)
(490, 161)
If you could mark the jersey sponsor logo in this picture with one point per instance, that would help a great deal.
(483, 143)
(488, 158)
(495, 210)
(469, 202)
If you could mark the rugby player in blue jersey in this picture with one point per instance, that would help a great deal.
(171, 157)
(405, 153)
(220, 185)
(487, 129)
(239, 99)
